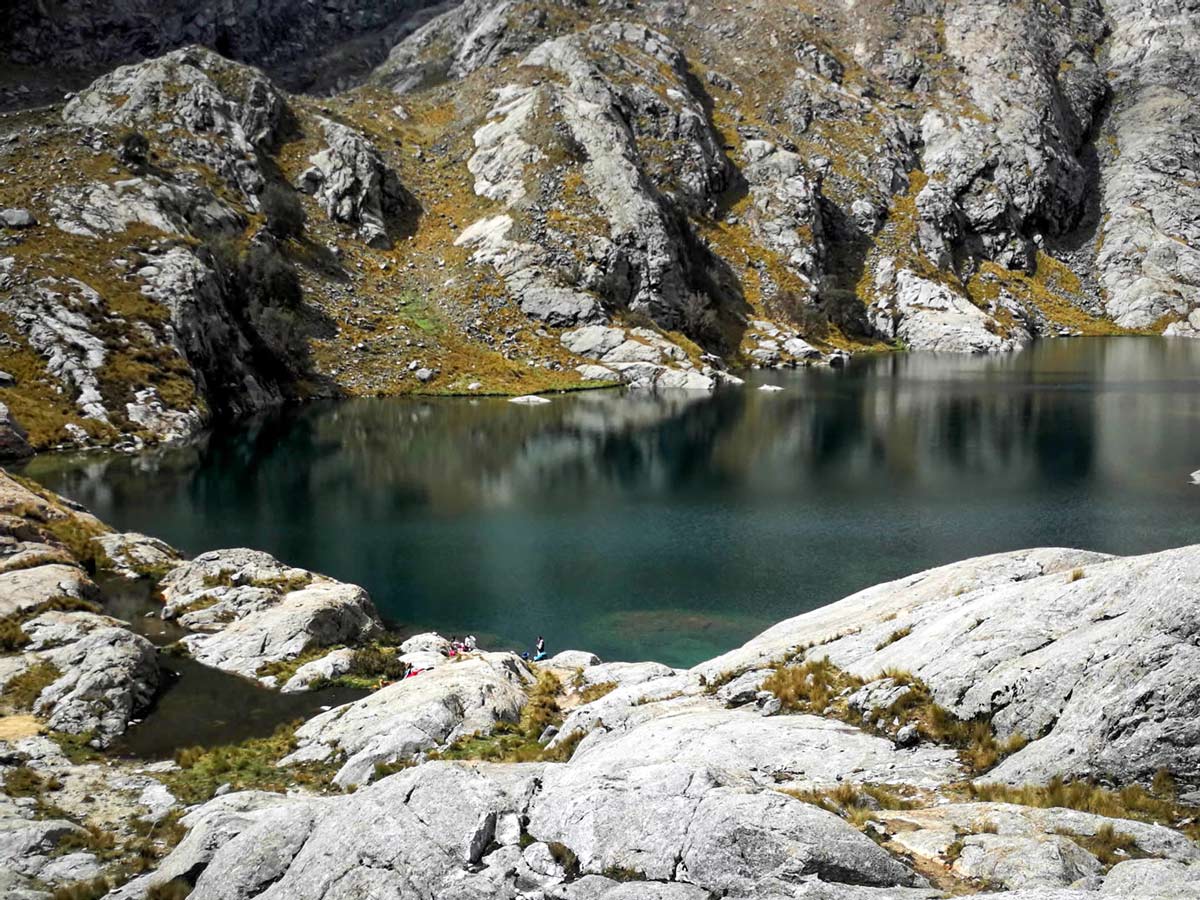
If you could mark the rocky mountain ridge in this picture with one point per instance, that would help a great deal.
(1020, 725)
(542, 195)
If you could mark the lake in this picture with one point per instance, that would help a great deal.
(675, 527)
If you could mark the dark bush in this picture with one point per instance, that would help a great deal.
(284, 212)
(133, 149)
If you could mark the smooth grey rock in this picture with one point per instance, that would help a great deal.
(415, 714)
(254, 609)
(109, 677)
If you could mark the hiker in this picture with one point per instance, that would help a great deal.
(539, 649)
(471, 643)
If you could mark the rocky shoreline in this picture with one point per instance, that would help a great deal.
(1021, 725)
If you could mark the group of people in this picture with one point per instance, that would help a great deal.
(466, 645)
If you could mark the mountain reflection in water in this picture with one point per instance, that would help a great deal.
(673, 527)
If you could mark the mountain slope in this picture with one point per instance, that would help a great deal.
(539, 195)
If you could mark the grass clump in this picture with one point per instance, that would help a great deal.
(1108, 845)
(854, 802)
(819, 687)
(12, 636)
(25, 782)
(1076, 574)
(22, 691)
(897, 635)
(811, 686)
(594, 692)
(175, 889)
(1132, 802)
(92, 889)
(249, 765)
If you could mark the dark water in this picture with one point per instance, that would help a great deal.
(198, 705)
(673, 528)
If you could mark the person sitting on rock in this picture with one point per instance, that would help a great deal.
(470, 642)
(540, 649)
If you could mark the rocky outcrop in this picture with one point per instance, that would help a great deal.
(487, 831)
(927, 315)
(1040, 643)
(447, 700)
(221, 113)
(1017, 847)
(353, 184)
(248, 609)
(96, 676)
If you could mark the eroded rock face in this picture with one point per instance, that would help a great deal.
(1148, 259)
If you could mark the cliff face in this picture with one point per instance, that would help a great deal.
(524, 196)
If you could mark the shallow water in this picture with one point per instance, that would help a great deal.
(198, 705)
(675, 527)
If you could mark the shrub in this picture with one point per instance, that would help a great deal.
(284, 212)
(133, 149)
(374, 662)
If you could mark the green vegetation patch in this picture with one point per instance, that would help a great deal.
(250, 765)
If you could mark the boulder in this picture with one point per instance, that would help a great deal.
(419, 713)
(26, 589)
(1065, 648)
(253, 610)
(109, 676)
(354, 185)
(14, 440)
(17, 218)
(135, 555)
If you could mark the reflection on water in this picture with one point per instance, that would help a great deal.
(674, 527)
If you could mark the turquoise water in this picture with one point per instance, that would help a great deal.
(675, 527)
